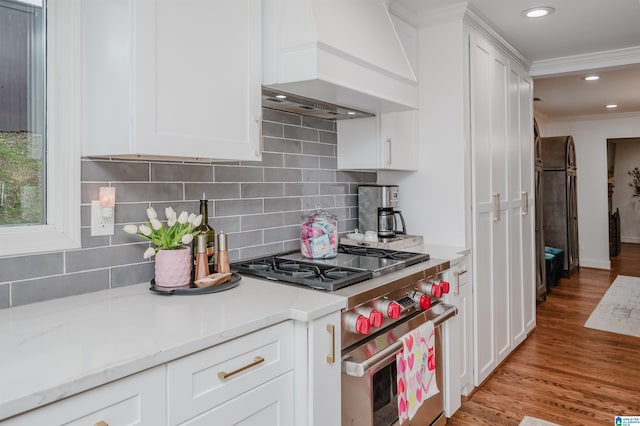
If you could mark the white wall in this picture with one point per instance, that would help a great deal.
(626, 158)
(433, 199)
(590, 137)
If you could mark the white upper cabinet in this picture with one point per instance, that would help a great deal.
(167, 78)
(385, 142)
(343, 52)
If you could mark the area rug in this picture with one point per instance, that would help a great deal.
(619, 309)
(532, 421)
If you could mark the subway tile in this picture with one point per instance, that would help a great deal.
(282, 145)
(245, 239)
(275, 130)
(369, 177)
(291, 245)
(108, 171)
(319, 123)
(282, 204)
(281, 234)
(148, 191)
(261, 190)
(121, 237)
(234, 255)
(311, 203)
(282, 175)
(281, 117)
(5, 301)
(85, 215)
(261, 221)
(263, 250)
(347, 225)
(291, 189)
(328, 163)
(130, 213)
(300, 133)
(314, 148)
(212, 191)
(238, 174)
(37, 290)
(301, 161)
(353, 212)
(238, 207)
(91, 191)
(87, 241)
(294, 217)
(328, 137)
(226, 224)
(269, 159)
(178, 207)
(132, 274)
(342, 213)
(348, 176)
(181, 172)
(31, 266)
(318, 175)
(95, 258)
(334, 188)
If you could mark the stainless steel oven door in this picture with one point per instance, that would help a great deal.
(369, 391)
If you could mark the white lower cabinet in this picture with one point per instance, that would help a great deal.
(204, 385)
(462, 297)
(135, 400)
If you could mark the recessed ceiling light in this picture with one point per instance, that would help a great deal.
(538, 12)
(611, 106)
(591, 78)
(281, 97)
(351, 113)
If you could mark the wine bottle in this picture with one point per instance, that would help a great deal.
(206, 229)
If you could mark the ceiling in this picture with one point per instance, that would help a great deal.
(581, 35)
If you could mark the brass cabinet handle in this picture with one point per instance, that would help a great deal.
(224, 375)
(525, 209)
(331, 359)
(457, 274)
(101, 423)
(388, 159)
(496, 207)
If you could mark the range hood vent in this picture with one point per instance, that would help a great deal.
(288, 102)
(340, 52)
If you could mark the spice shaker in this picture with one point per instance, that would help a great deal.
(202, 264)
(223, 254)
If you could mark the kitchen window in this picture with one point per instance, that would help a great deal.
(40, 119)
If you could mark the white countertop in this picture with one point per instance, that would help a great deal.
(57, 348)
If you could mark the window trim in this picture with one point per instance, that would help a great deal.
(64, 130)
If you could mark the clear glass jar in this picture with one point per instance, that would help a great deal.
(319, 235)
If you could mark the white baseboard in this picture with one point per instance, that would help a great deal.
(596, 263)
(633, 240)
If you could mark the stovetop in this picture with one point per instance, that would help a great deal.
(352, 265)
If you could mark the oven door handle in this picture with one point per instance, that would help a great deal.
(359, 369)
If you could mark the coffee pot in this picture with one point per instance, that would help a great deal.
(387, 225)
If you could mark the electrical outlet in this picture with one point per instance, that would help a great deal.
(100, 225)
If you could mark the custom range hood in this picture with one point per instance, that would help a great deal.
(340, 52)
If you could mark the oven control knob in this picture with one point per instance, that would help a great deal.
(375, 317)
(444, 285)
(390, 308)
(422, 299)
(432, 288)
(356, 323)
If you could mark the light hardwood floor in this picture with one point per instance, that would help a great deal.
(566, 373)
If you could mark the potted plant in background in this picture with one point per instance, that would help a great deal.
(635, 183)
(173, 255)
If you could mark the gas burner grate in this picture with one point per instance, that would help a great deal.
(410, 258)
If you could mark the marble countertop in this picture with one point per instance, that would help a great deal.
(54, 349)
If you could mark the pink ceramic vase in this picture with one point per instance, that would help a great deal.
(173, 268)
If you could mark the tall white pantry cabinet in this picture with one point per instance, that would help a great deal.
(474, 183)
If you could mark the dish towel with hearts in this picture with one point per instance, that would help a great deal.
(416, 367)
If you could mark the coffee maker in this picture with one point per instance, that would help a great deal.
(378, 209)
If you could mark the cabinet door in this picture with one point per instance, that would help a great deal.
(198, 75)
(135, 400)
(488, 91)
(399, 140)
(462, 297)
(521, 232)
(268, 404)
(325, 371)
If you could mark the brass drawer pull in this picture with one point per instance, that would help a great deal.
(224, 375)
(101, 423)
(331, 359)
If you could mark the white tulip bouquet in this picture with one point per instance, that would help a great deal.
(178, 232)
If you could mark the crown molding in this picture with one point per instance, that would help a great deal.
(587, 61)
(454, 12)
(592, 117)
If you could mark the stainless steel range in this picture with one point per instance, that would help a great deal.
(380, 310)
